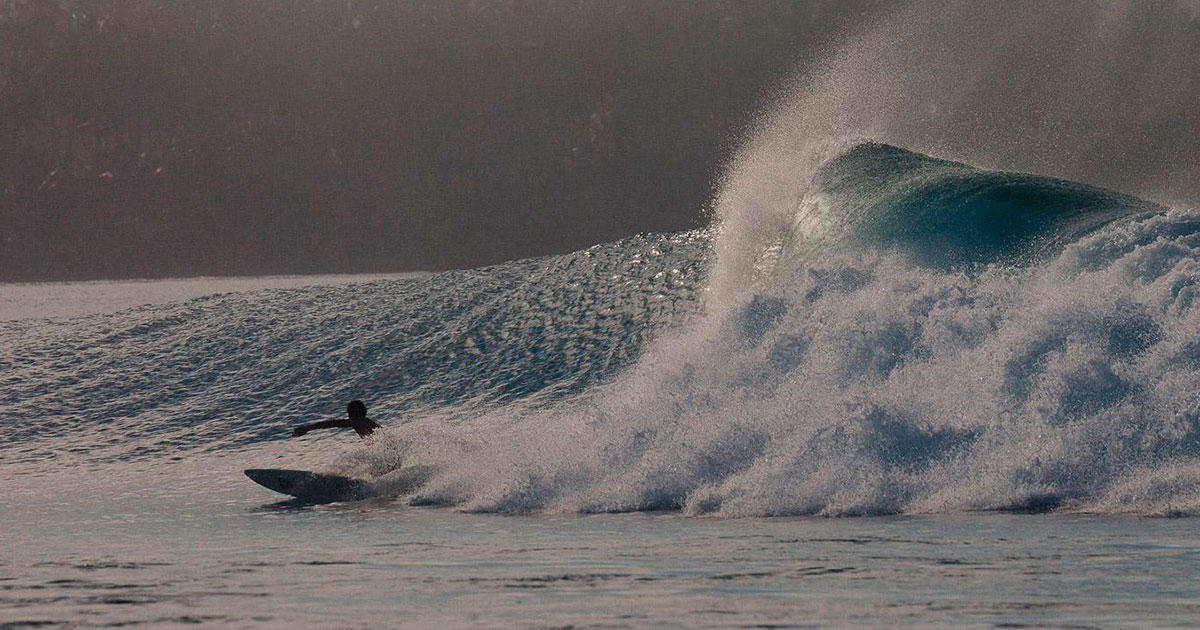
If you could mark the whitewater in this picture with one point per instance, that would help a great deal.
(925, 367)
(1030, 349)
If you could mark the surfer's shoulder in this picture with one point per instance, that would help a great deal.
(364, 426)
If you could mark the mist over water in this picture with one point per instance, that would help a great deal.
(1097, 92)
(1045, 365)
(873, 325)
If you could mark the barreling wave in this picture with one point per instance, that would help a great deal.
(928, 338)
(933, 338)
(945, 214)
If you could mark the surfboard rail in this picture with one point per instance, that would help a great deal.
(310, 486)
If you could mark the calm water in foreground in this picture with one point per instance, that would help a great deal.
(201, 546)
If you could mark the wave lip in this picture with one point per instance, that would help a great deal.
(946, 214)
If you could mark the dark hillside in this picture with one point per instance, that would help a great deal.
(145, 138)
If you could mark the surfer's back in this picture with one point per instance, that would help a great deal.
(364, 426)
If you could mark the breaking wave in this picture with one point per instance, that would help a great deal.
(925, 337)
(866, 329)
(901, 371)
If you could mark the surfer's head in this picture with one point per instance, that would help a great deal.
(356, 409)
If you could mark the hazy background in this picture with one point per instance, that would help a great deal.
(151, 138)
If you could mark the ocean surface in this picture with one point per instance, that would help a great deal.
(926, 394)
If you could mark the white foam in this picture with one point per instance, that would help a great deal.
(861, 384)
(865, 385)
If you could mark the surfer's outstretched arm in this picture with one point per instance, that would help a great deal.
(324, 424)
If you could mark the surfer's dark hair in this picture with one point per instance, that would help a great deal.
(356, 408)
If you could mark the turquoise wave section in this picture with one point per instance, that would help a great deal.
(947, 214)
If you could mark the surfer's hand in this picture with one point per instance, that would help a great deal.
(298, 431)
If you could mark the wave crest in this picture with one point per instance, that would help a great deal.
(871, 385)
(943, 213)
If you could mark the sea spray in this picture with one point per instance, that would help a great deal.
(1092, 92)
(866, 384)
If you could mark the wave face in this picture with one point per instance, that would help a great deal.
(918, 336)
(230, 370)
(946, 214)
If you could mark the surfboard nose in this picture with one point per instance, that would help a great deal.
(270, 479)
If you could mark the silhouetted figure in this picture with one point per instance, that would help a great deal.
(357, 420)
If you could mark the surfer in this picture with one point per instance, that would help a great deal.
(357, 420)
